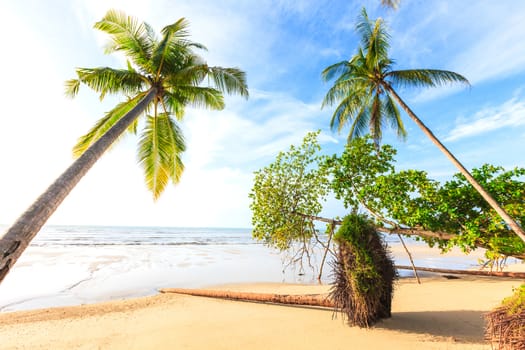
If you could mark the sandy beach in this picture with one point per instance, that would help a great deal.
(438, 314)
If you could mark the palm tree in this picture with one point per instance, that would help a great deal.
(162, 77)
(394, 4)
(364, 92)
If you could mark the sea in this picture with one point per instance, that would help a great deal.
(72, 265)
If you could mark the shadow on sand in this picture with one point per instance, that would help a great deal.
(459, 326)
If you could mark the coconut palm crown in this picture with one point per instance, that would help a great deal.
(162, 77)
(166, 66)
(366, 99)
(363, 83)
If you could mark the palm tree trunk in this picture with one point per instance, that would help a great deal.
(505, 274)
(22, 232)
(490, 200)
(320, 300)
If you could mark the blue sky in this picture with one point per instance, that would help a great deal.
(283, 46)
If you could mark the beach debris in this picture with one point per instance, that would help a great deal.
(504, 274)
(364, 273)
(319, 300)
(506, 324)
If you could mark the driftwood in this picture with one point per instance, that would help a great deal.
(320, 300)
(467, 272)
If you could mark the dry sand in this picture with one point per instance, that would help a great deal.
(438, 314)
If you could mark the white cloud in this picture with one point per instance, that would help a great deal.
(481, 41)
(498, 52)
(249, 132)
(511, 113)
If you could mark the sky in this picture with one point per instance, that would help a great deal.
(282, 46)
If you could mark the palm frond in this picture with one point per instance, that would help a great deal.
(176, 139)
(191, 71)
(173, 47)
(184, 67)
(364, 28)
(360, 124)
(71, 87)
(173, 104)
(339, 91)
(128, 35)
(342, 88)
(392, 114)
(393, 4)
(229, 80)
(159, 151)
(337, 69)
(378, 45)
(106, 80)
(104, 124)
(177, 170)
(351, 106)
(198, 96)
(424, 78)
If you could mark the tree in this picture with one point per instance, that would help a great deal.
(162, 77)
(287, 196)
(393, 4)
(364, 92)
(409, 203)
(405, 202)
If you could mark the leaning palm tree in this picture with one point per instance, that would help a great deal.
(162, 77)
(394, 4)
(364, 93)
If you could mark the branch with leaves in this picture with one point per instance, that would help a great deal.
(287, 199)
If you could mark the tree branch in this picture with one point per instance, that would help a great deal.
(407, 232)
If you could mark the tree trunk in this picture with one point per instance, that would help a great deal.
(21, 233)
(508, 274)
(410, 258)
(326, 250)
(320, 300)
(490, 200)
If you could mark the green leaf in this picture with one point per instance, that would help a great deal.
(171, 69)
(160, 147)
(135, 39)
(108, 80)
(105, 123)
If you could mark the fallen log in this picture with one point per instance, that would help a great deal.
(467, 272)
(320, 300)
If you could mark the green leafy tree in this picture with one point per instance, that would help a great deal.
(365, 96)
(285, 202)
(162, 77)
(287, 197)
(409, 203)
